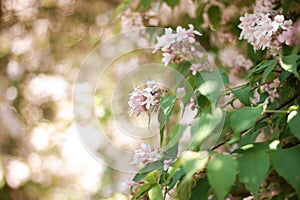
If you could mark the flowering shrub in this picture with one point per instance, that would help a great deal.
(246, 147)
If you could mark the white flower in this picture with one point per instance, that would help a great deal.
(145, 155)
(271, 89)
(261, 32)
(146, 99)
(278, 21)
(167, 164)
(179, 46)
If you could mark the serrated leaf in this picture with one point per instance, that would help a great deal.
(294, 122)
(243, 94)
(245, 118)
(155, 193)
(289, 63)
(193, 162)
(221, 173)
(200, 190)
(286, 163)
(214, 15)
(253, 168)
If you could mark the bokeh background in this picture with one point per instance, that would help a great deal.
(42, 45)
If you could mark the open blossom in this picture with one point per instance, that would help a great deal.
(180, 45)
(145, 155)
(145, 99)
(271, 89)
(262, 30)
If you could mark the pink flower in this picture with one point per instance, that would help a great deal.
(271, 89)
(145, 155)
(261, 31)
(167, 164)
(178, 46)
(146, 99)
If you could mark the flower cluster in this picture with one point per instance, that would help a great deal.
(145, 99)
(262, 30)
(271, 89)
(180, 46)
(145, 155)
(235, 62)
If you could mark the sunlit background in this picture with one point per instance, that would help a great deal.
(42, 45)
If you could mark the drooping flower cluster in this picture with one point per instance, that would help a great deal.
(264, 30)
(179, 46)
(271, 89)
(145, 155)
(145, 99)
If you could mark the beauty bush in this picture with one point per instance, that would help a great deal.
(255, 127)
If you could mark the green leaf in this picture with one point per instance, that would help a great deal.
(214, 15)
(204, 125)
(152, 166)
(172, 3)
(200, 191)
(146, 3)
(286, 163)
(289, 63)
(138, 177)
(176, 177)
(221, 173)
(142, 190)
(167, 104)
(176, 133)
(156, 193)
(161, 121)
(268, 70)
(294, 122)
(243, 94)
(153, 176)
(193, 162)
(261, 66)
(253, 168)
(210, 84)
(184, 190)
(120, 9)
(245, 118)
(172, 151)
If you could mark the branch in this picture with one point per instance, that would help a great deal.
(267, 115)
